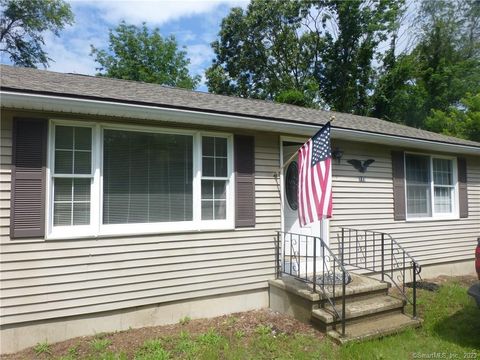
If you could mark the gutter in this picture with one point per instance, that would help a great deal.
(28, 101)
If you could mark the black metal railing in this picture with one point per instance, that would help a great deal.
(378, 253)
(309, 259)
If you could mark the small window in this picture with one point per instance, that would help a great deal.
(430, 186)
(72, 176)
(443, 186)
(291, 185)
(214, 178)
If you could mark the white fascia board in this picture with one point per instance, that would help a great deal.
(26, 101)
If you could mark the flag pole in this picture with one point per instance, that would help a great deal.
(332, 118)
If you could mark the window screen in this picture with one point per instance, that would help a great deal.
(147, 177)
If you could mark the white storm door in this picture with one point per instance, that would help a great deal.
(298, 247)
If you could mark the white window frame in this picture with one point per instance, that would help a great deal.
(214, 178)
(454, 214)
(96, 228)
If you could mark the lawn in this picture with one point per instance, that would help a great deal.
(451, 330)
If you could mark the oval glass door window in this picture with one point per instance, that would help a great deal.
(291, 185)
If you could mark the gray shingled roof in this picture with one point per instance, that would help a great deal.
(101, 88)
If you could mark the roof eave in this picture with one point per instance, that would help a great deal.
(29, 101)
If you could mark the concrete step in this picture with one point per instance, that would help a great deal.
(374, 328)
(358, 308)
(360, 286)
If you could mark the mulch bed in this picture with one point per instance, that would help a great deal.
(228, 325)
(130, 340)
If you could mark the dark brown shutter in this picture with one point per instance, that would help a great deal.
(462, 187)
(398, 173)
(27, 217)
(244, 181)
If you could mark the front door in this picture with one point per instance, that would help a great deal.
(298, 249)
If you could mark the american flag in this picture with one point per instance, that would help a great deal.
(315, 178)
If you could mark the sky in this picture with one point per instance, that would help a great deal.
(194, 23)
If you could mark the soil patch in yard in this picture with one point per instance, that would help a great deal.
(127, 342)
(466, 280)
(265, 334)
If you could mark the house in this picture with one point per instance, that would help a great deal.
(125, 204)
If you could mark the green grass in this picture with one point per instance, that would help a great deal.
(185, 320)
(100, 345)
(152, 350)
(451, 330)
(42, 348)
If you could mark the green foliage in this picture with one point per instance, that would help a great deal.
(324, 53)
(100, 344)
(185, 320)
(441, 69)
(260, 52)
(109, 355)
(239, 334)
(185, 344)
(22, 25)
(461, 121)
(450, 326)
(307, 53)
(357, 29)
(263, 330)
(293, 97)
(43, 348)
(211, 337)
(141, 54)
(152, 350)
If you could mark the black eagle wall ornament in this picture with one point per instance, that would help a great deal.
(361, 167)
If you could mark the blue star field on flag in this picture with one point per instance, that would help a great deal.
(321, 145)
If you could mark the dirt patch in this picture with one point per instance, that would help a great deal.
(466, 280)
(130, 340)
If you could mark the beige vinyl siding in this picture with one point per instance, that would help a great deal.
(5, 173)
(43, 279)
(368, 205)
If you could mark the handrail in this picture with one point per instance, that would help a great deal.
(390, 258)
(289, 247)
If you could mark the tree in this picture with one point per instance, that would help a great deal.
(442, 68)
(352, 32)
(321, 49)
(22, 25)
(261, 53)
(462, 121)
(136, 53)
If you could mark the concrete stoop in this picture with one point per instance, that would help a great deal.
(374, 328)
(370, 311)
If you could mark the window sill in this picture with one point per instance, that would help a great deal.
(74, 233)
(433, 219)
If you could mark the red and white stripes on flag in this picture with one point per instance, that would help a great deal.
(315, 178)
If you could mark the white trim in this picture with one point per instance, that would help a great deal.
(81, 230)
(281, 176)
(230, 184)
(96, 228)
(116, 109)
(455, 214)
